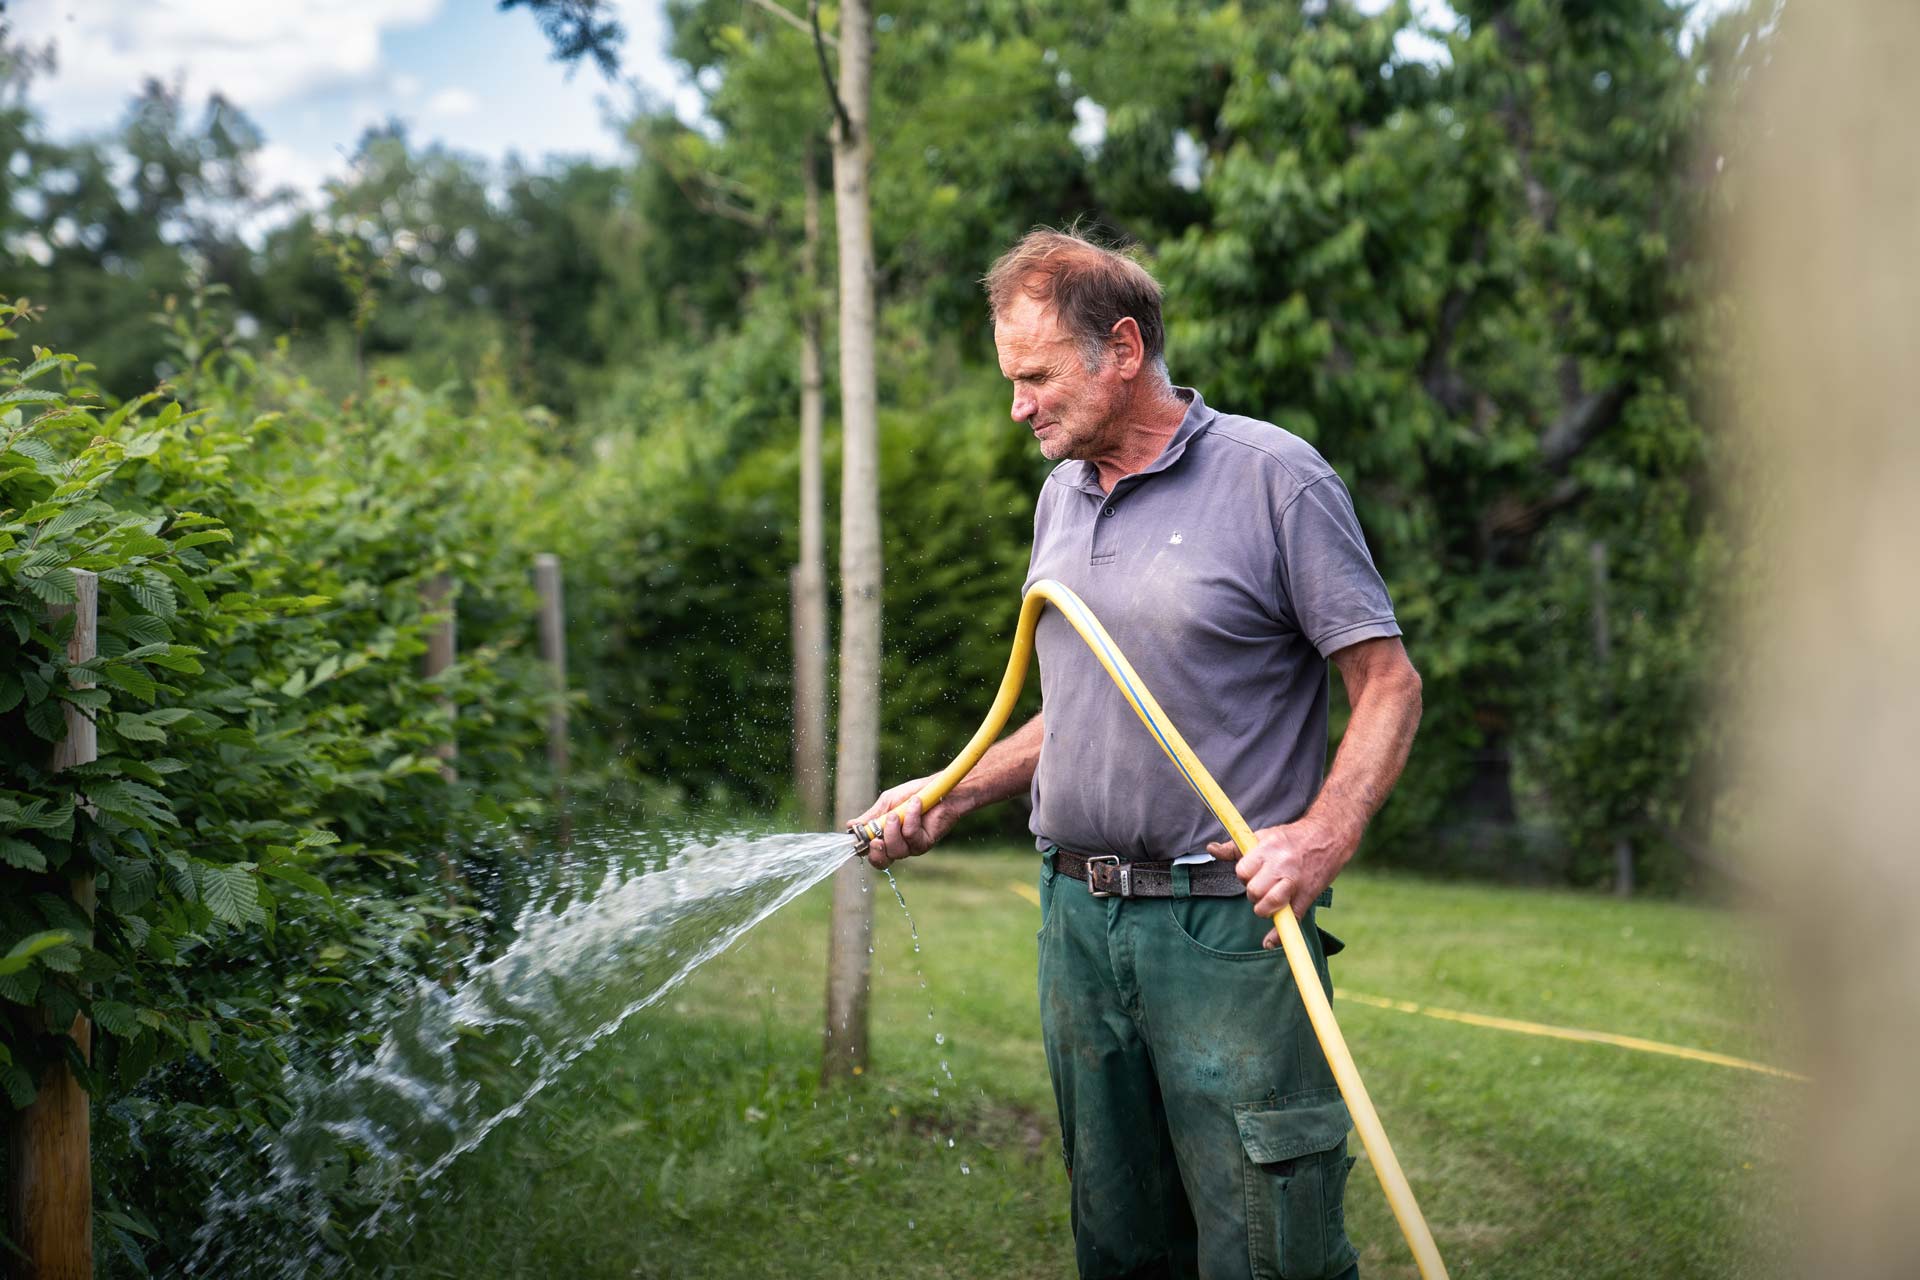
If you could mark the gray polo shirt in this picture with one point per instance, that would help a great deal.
(1226, 571)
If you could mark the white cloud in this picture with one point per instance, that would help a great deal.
(277, 165)
(257, 52)
(452, 103)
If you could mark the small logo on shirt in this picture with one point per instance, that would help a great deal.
(1174, 541)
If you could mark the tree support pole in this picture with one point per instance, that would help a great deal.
(49, 1161)
(553, 651)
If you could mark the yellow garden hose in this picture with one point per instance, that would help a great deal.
(1365, 1120)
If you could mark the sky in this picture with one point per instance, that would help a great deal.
(313, 74)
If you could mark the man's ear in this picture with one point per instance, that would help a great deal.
(1125, 347)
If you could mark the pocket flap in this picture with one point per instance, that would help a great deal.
(1272, 1134)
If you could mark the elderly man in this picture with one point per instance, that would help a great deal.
(1202, 1129)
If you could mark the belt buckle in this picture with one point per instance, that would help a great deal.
(1124, 874)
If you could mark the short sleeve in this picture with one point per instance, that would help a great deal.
(1327, 580)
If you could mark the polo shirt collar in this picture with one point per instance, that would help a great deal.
(1085, 477)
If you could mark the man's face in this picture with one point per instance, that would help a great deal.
(1072, 413)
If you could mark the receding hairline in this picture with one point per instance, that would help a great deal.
(1025, 268)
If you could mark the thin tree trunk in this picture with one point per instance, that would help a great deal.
(810, 574)
(857, 768)
(1603, 657)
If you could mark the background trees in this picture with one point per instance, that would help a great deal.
(1472, 278)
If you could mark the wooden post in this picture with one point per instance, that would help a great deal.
(1603, 656)
(553, 651)
(436, 596)
(49, 1164)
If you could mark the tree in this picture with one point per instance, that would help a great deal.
(810, 573)
(1472, 285)
(857, 771)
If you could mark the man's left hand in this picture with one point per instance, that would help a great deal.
(1290, 865)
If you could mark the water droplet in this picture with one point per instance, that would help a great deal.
(939, 1037)
(964, 1169)
(949, 1142)
(909, 1224)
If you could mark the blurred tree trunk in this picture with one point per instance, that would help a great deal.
(810, 575)
(1603, 670)
(1827, 257)
(856, 773)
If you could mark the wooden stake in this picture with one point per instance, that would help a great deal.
(436, 596)
(49, 1164)
(553, 651)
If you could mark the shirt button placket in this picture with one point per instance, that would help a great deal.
(1103, 540)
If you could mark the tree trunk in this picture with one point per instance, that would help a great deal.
(1602, 663)
(810, 574)
(857, 766)
(1826, 265)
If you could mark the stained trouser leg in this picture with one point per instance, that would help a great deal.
(1258, 1125)
(1130, 1217)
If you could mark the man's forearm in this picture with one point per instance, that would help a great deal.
(1374, 749)
(1004, 772)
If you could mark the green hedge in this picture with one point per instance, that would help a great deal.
(267, 825)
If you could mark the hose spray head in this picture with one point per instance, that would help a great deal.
(863, 836)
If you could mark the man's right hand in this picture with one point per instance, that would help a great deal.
(913, 832)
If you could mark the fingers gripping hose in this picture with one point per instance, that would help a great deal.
(1299, 959)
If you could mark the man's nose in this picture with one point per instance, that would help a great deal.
(1023, 407)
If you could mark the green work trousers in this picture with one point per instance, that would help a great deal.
(1203, 1132)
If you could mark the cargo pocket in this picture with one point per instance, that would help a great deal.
(1296, 1176)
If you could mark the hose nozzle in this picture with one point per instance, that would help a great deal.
(863, 837)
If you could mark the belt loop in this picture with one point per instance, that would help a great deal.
(1182, 878)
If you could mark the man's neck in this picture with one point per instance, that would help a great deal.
(1149, 427)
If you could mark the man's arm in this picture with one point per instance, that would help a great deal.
(1384, 691)
(1292, 864)
(1003, 772)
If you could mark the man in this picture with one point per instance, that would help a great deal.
(1202, 1129)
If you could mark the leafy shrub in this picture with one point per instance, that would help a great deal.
(267, 830)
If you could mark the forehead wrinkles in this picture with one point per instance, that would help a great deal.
(1029, 337)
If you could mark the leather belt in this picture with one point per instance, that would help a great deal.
(1107, 876)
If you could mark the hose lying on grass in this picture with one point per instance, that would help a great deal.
(1365, 1120)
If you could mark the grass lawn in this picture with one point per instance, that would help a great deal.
(693, 1143)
